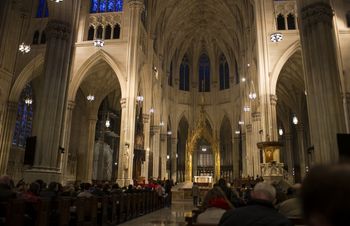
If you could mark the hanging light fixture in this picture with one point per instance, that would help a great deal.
(90, 97)
(139, 98)
(280, 132)
(177, 155)
(238, 132)
(204, 149)
(28, 100)
(252, 95)
(246, 108)
(243, 79)
(151, 110)
(295, 120)
(108, 122)
(24, 48)
(168, 157)
(240, 122)
(161, 123)
(169, 133)
(99, 43)
(57, 1)
(276, 37)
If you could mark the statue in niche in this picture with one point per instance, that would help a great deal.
(269, 155)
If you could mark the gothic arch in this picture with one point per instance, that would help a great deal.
(280, 63)
(24, 77)
(81, 74)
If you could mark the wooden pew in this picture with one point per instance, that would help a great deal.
(297, 221)
(63, 210)
(43, 211)
(14, 214)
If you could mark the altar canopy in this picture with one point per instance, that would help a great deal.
(201, 131)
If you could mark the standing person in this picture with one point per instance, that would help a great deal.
(195, 194)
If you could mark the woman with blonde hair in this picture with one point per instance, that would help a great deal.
(214, 206)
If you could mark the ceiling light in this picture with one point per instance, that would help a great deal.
(139, 98)
(168, 157)
(204, 149)
(151, 110)
(241, 123)
(276, 37)
(252, 95)
(161, 123)
(108, 123)
(28, 101)
(238, 132)
(244, 79)
(169, 133)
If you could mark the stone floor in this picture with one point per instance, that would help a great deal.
(174, 216)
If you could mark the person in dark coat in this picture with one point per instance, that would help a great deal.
(260, 211)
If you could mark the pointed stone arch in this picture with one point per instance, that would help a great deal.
(280, 64)
(25, 76)
(81, 74)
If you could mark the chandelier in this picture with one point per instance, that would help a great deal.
(90, 97)
(99, 43)
(276, 37)
(23, 48)
(246, 108)
(28, 100)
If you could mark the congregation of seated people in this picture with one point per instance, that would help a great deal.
(321, 200)
(97, 204)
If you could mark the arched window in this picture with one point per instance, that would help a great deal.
(24, 120)
(116, 31)
(99, 32)
(348, 19)
(204, 73)
(36, 38)
(224, 73)
(170, 78)
(101, 6)
(43, 38)
(108, 32)
(291, 22)
(185, 74)
(91, 33)
(43, 10)
(236, 72)
(281, 25)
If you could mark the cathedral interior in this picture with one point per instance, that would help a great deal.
(125, 91)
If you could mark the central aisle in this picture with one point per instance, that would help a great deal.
(174, 216)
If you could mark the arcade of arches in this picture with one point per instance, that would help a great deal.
(140, 89)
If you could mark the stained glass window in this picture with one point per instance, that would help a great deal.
(185, 74)
(204, 73)
(170, 77)
(43, 10)
(101, 6)
(224, 73)
(24, 120)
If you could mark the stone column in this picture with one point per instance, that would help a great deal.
(235, 156)
(155, 134)
(123, 158)
(174, 158)
(163, 155)
(255, 139)
(66, 139)
(6, 136)
(326, 113)
(244, 156)
(248, 151)
(52, 103)
(301, 147)
(146, 132)
(90, 149)
(274, 129)
(289, 152)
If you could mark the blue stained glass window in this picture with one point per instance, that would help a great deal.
(23, 127)
(101, 6)
(184, 74)
(43, 10)
(204, 73)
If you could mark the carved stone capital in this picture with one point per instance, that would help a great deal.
(249, 128)
(145, 118)
(58, 29)
(137, 4)
(154, 129)
(273, 99)
(70, 105)
(174, 140)
(123, 103)
(256, 116)
(316, 13)
(163, 137)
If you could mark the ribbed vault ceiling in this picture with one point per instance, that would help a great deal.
(180, 23)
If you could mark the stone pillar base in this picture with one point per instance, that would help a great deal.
(45, 174)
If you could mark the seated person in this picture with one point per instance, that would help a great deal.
(292, 206)
(325, 196)
(86, 191)
(260, 210)
(214, 206)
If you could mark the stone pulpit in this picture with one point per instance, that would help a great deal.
(271, 168)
